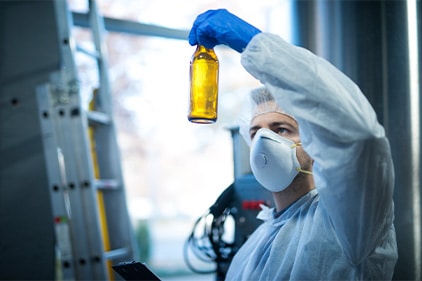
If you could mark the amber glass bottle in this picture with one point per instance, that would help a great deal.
(203, 86)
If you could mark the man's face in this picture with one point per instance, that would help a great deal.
(284, 126)
(279, 123)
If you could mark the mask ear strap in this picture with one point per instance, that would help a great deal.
(296, 145)
(299, 169)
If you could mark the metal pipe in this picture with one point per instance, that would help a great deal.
(132, 27)
(412, 27)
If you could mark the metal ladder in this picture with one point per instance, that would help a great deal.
(93, 229)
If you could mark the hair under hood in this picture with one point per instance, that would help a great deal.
(260, 101)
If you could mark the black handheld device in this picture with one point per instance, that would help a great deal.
(134, 270)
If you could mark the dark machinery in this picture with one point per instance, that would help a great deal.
(219, 233)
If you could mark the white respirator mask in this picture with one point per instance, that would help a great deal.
(273, 160)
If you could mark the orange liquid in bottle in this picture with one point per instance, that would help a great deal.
(204, 68)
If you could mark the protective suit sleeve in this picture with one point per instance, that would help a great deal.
(353, 170)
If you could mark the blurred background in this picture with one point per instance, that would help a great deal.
(173, 169)
(99, 164)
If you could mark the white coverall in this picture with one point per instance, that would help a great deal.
(342, 230)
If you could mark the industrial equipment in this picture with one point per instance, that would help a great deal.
(60, 158)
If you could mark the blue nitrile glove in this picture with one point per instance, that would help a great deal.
(216, 27)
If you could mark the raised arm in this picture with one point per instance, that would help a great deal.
(353, 170)
(338, 127)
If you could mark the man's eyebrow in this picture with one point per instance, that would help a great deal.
(278, 123)
(254, 128)
(272, 124)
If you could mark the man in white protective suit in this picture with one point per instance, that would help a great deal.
(316, 144)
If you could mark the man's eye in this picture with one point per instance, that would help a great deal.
(252, 135)
(281, 131)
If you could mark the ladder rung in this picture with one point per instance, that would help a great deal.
(106, 184)
(85, 51)
(117, 253)
(98, 118)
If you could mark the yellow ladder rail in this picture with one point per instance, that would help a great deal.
(100, 195)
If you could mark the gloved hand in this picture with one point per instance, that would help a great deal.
(216, 27)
